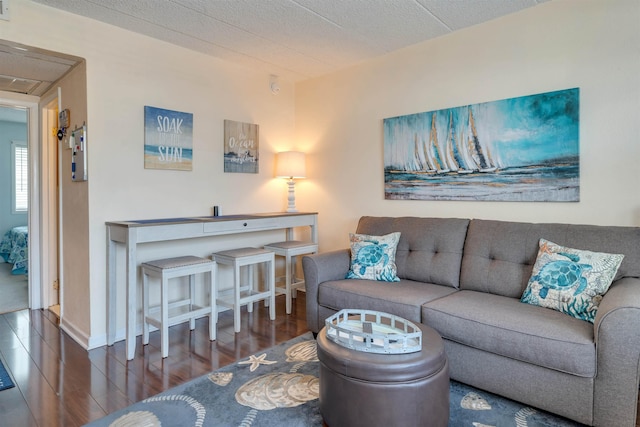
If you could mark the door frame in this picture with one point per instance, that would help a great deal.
(51, 213)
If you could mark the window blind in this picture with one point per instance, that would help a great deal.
(21, 178)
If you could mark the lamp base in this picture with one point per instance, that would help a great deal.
(292, 196)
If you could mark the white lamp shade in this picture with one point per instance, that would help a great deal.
(290, 164)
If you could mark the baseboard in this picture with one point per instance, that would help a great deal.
(75, 334)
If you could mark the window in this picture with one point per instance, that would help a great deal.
(20, 158)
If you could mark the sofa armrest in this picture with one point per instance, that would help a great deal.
(617, 337)
(320, 268)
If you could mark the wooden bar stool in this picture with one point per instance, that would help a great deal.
(289, 250)
(168, 314)
(247, 294)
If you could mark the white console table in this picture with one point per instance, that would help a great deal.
(132, 233)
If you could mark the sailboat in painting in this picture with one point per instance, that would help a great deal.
(437, 154)
(461, 153)
(461, 162)
(425, 165)
(517, 149)
(484, 161)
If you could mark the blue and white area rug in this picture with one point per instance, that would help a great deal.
(279, 387)
(5, 379)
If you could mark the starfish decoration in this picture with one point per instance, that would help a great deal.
(546, 249)
(255, 362)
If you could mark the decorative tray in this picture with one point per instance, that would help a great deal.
(373, 332)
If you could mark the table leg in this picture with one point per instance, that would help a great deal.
(111, 289)
(132, 289)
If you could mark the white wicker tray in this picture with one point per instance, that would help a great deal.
(373, 332)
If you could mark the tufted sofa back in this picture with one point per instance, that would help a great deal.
(499, 256)
(430, 249)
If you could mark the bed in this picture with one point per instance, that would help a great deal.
(14, 250)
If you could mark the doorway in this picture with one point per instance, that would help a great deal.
(14, 208)
(42, 178)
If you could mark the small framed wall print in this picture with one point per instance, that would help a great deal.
(168, 139)
(241, 147)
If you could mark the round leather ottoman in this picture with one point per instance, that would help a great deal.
(370, 389)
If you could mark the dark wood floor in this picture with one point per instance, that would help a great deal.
(58, 383)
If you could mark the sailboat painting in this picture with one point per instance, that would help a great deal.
(523, 149)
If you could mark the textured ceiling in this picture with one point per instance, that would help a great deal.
(293, 39)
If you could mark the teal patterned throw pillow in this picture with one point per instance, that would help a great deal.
(571, 281)
(374, 257)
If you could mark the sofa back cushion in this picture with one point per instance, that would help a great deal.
(499, 255)
(430, 249)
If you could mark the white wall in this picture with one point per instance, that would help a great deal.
(74, 236)
(559, 44)
(125, 72)
(593, 45)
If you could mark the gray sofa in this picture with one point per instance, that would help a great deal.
(465, 277)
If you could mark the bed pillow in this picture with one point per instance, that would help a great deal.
(374, 257)
(571, 281)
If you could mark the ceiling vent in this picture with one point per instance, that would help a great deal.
(18, 85)
(4, 9)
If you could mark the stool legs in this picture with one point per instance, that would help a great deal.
(294, 276)
(287, 283)
(160, 316)
(271, 282)
(192, 299)
(291, 280)
(145, 308)
(236, 299)
(250, 284)
(290, 250)
(247, 293)
(213, 316)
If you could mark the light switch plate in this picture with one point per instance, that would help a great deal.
(4, 9)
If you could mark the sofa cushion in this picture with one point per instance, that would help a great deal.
(373, 257)
(499, 255)
(571, 281)
(509, 328)
(403, 298)
(430, 249)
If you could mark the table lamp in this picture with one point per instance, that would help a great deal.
(290, 165)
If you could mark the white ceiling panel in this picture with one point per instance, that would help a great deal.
(384, 24)
(286, 24)
(458, 14)
(293, 39)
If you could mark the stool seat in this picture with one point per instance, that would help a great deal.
(182, 261)
(168, 314)
(289, 249)
(241, 252)
(246, 294)
(298, 246)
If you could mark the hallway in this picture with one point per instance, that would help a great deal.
(14, 290)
